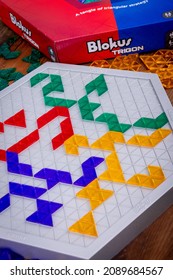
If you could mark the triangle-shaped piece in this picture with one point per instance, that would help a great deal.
(86, 225)
(17, 120)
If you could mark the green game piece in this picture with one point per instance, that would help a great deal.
(34, 57)
(160, 121)
(98, 84)
(94, 106)
(87, 115)
(86, 108)
(52, 101)
(4, 73)
(112, 122)
(54, 85)
(38, 78)
(33, 67)
(27, 59)
(3, 47)
(3, 84)
(15, 76)
(6, 53)
(107, 117)
(11, 55)
(11, 41)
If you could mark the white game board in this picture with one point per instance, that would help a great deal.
(86, 160)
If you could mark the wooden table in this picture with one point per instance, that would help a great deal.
(156, 241)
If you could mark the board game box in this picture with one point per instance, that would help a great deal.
(80, 31)
(86, 160)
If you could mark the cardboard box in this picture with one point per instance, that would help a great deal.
(80, 31)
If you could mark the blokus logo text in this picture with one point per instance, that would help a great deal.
(20, 25)
(95, 46)
(113, 46)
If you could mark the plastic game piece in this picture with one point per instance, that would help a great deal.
(168, 83)
(86, 225)
(106, 142)
(25, 190)
(34, 57)
(67, 131)
(54, 85)
(17, 120)
(113, 122)
(38, 78)
(97, 84)
(161, 63)
(33, 66)
(14, 166)
(160, 121)
(100, 63)
(2, 155)
(7, 254)
(15, 76)
(71, 144)
(87, 108)
(95, 194)
(1, 127)
(114, 172)
(73, 175)
(4, 73)
(129, 62)
(3, 84)
(153, 180)
(6, 53)
(4, 202)
(151, 140)
(53, 177)
(167, 54)
(7, 75)
(44, 213)
(89, 173)
(150, 62)
(25, 142)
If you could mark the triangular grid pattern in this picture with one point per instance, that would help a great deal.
(84, 149)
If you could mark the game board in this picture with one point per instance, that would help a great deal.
(86, 160)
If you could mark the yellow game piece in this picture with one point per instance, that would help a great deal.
(114, 172)
(106, 142)
(153, 180)
(96, 195)
(164, 53)
(126, 63)
(113, 176)
(161, 63)
(167, 83)
(157, 136)
(71, 149)
(100, 63)
(71, 144)
(86, 225)
(156, 172)
(149, 141)
(149, 62)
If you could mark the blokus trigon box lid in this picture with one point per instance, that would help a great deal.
(77, 31)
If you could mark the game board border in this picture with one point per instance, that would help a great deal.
(130, 225)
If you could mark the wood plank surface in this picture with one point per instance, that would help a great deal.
(156, 241)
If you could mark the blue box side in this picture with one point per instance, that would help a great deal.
(134, 13)
(149, 38)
